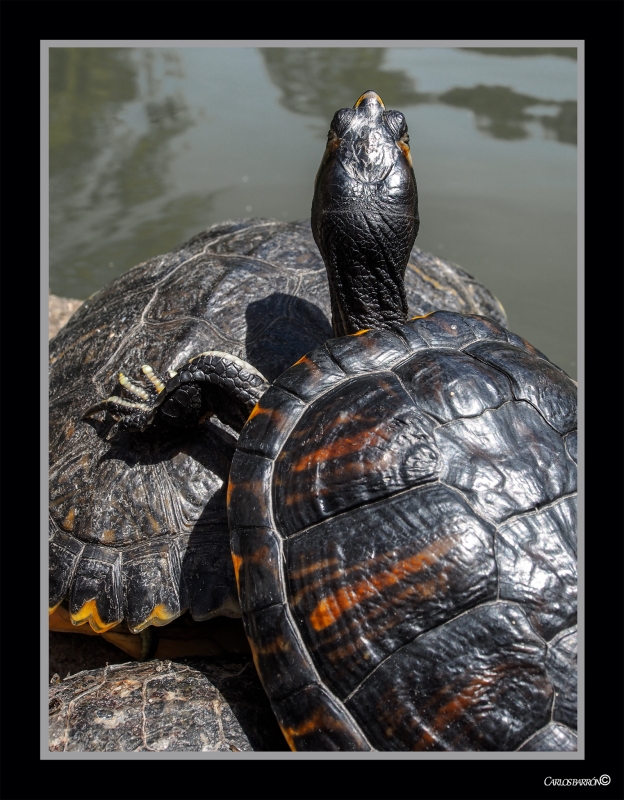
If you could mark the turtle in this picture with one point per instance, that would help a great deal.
(402, 500)
(138, 526)
(164, 706)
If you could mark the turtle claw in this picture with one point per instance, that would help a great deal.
(133, 414)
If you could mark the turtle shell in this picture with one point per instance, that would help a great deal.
(138, 525)
(191, 706)
(403, 513)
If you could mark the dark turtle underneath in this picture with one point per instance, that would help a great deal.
(138, 527)
(162, 706)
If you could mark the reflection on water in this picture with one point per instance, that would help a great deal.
(106, 166)
(524, 52)
(502, 113)
(314, 81)
(148, 146)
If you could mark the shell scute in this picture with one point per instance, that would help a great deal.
(535, 380)
(249, 492)
(481, 457)
(96, 592)
(537, 566)
(363, 440)
(65, 551)
(276, 413)
(312, 374)
(369, 351)
(283, 669)
(366, 583)
(562, 663)
(311, 720)
(444, 329)
(478, 682)
(486, 328)
(552, 737)
(151, 573)
(449, 385)
(207, 580)
(259, 555)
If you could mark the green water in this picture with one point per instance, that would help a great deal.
(148, 146)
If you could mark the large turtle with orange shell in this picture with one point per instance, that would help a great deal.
(402, 500)
(139, 540)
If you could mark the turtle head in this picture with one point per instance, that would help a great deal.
(365, 214)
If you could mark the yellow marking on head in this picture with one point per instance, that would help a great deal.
(406, 152)
(68, 523)
(359, 333)
(369, 93)
(423, 316)
(330, 608)
(89, 613)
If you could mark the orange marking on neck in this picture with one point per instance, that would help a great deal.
(406, 152)
(423, 316)
(301, 360)
(359, 333)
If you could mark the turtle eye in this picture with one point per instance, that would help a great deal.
(341, 120)
(397, 124)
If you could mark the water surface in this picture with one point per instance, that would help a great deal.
(148, 146)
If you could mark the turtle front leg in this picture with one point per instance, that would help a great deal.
(211, 383)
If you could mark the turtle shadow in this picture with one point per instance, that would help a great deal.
(209, 445)
(281, 328)
(247, 700)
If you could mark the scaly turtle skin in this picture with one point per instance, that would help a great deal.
(138, 526)
(402, 500)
